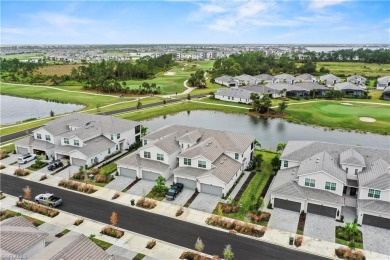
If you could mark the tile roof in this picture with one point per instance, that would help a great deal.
(135, 160)
(384, 80)
(329, 77)
(305, 76)
(374, 205)
(234, 92)
(285, 76)
(356, 78)
(351, 157)
(265, 77)
(244, 77)
(322, 162)
(18, 235)
(311, 85)
(96, 145)
(190, 137)
(208, 148)
(225, 168)
(31, 141)
(168, 143)
(377, 175)
(290, 189)
(72, 247)
(224, 78)
(347, 86)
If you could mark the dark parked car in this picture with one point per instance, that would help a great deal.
(54, 165)
(174, 190)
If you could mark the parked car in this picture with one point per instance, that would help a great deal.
(174, 190)
(26, 158)
(54, 165)
(48, 199)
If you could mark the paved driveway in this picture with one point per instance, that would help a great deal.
(205, 202)
(10, 159)
(320, 227)
(142, 188)
(285, 220)
(119, 183)
(182, 197)
(69, 171)
(376, 239)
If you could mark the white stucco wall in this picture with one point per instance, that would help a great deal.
(320, 179)
(153, 154)
(71, 141)
(43, 133)
(363, 194)
(351, 170)
(233, 99)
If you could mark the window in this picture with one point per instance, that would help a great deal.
(145, 142)
(39, 136)
(146, 154)
(202, 164)
(310, 182)
(118, 136)
(346, 169)
(160, 157)
(285, 163)
(330, 186)
(374, 193)
(137, 129)
(356, 171)
(236, 156)
(76, 142)
(187, 161)
(47, 137)
(112, 137)
(116, 147)
(66, 140)
(109, 150)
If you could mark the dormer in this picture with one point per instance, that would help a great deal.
(352, 162)
(189, 139)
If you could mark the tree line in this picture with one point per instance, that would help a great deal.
(255, 63)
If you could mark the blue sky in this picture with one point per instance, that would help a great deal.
(180, 22)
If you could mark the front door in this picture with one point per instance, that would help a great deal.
(353, 191)
(345, 190)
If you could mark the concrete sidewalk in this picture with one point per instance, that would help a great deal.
(281, 238)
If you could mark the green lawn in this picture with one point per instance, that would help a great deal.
(108, 169)
(360, 68)
(336, 115)
(345, 243)
(23, 56)
(103, 244)
(257, 183)
(176, 108)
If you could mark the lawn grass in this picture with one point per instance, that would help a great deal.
(152, 195)
(360, 68)
(9, 214)
(336, 115)
(345, 243)
(108, 168)
(176, 108)
(24, 56)
(34, 221)
(102, 244)
(139, 256)
(8, 149)
(256, 185)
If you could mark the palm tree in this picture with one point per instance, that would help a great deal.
(254, 97)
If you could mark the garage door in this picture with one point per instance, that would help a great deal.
(287, 204)
(21, 150)
(128, 172)
(149, 175)
(376, 221)
(210, 189)
(321, 210)
(78, 162)
(190, 184)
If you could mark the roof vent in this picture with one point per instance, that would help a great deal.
(221, 162)
(224, 158)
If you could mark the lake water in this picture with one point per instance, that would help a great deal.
(269, 132)
(15, 109)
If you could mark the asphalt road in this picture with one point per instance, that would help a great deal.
(20, 134)
(160, 227)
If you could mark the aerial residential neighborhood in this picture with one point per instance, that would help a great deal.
(195, 130)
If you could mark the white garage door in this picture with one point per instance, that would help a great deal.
(211, 189)
(190, 184)
(78, 162)
(149, 175)
(128, 172)
(21, 150)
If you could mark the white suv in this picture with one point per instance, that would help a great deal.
(26, 158)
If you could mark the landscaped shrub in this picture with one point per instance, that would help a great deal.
(38, 208)
(341, 233)
(93, 171)
(189, 255)
(239, 226)
(78, 221)
(151, 244)
(3, 154)
(4, 214)
(298, 241)
(112, 232)
(38, 164)
(256, 218)
(179, 212)
(74, 185)
(100, 178)
(346, 253)
(2, 166)
(21, 172)
(228, 208)
(79, 175)
(43, 177)
(146, 203)
(116, 195)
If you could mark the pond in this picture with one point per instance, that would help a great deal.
(15, 109)
(269, 132)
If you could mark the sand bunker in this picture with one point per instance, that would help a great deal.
(346, 104)
(367, 119)
(169, 73)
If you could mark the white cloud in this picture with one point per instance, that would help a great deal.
(318, 4)
(212, 8)
(61, 20)
(252, 8)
